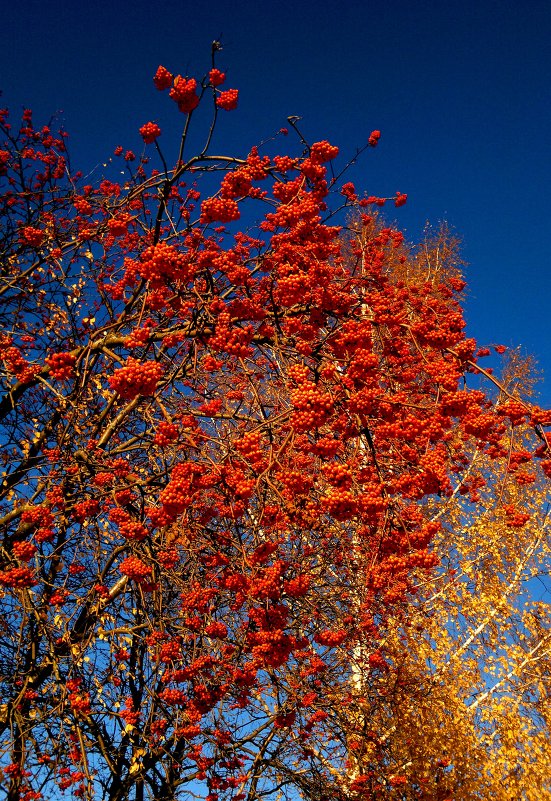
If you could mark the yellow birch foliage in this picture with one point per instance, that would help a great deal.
(467, 712)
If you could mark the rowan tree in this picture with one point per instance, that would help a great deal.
(250, 457)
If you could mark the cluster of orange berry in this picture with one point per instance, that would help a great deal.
(17, 578)
(135, 569)
(168, 558)
(298, 586)
(18, 365)
(323, 151)
(271, 648)
(61, 365)
(251, 447)
(149, 132)
(118, 225)
(130, 715)
(136, 378)
(514, 517)
(184, 93)
(173, 697)
(311, 407)
(236, 184)
(341, 503)
(228, 99)
(170, 650)
(338, 475)
(165, 434)
(162, 261)
(267, 584)
(32, 236)
(24, 550)
(217, 209)
(217, 629)
(80, 701)
(176, 497)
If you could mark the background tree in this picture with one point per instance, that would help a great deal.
(244, 455)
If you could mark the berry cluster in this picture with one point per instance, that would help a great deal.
(173, 697)
(4, 161)
(162, 78)
(321, 152)
(311, 407)
(341, 504)
(61, 365)
(18, 365)
(118, 225)
(514, 517)
(217, 209)
(331, 638)
(139, 337)
(129, 529)
(170, 650)
(17, 578)
(338, 474)
(271, 648)
(216, 77)
(136, 378)
(149, 132)
(130, 715)
(374, 137)
(32, 236)
(59, 597)
(165, 434)
(298, 586)
(217, 629)
(168, 558)
(161, 262)
(80, 702)
(135, 569)
(236, 184)
(176, 497)
(240, 486)
(184, 93)
(234, 341)
(228, 100)
(251, 446)
(267, 584)
(24, 550)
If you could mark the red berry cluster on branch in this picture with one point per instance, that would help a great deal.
(173, 697)
(216, 77)
(321, 152)
(374, 137)
(136, 378)
(165, 434)
(32, 236)
(184, 93)
(134, 568)
(129, 529)
(24, 550)
(311, 407)
(228, 100)
(18, 578)
(149, 132)
(61, 365)
(217, 209)
(16, 363)
(161, 262)
(163, 78)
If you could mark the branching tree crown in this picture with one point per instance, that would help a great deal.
(269, 526)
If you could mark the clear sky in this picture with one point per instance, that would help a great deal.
(460, 90)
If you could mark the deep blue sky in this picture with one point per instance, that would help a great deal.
(460, 90)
